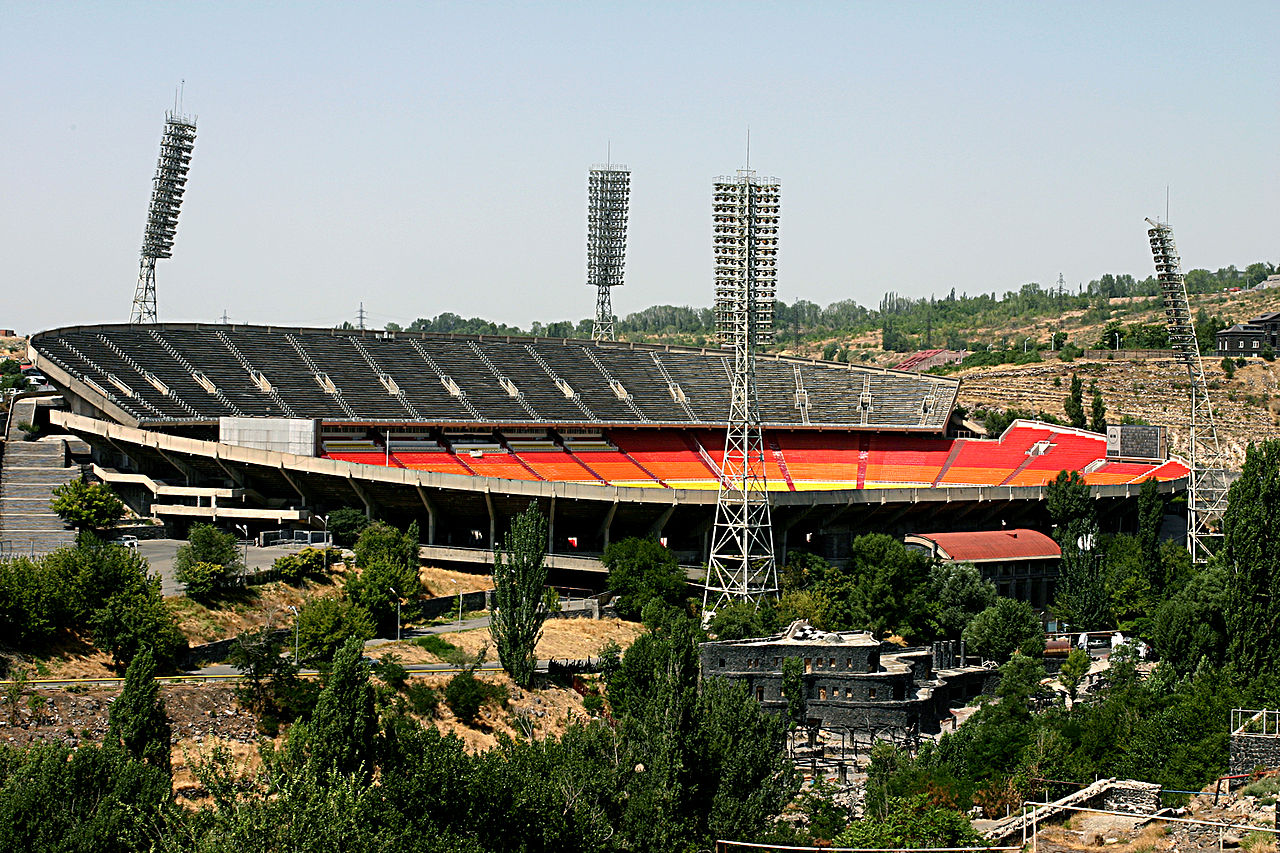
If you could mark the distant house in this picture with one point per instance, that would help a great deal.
(1023, 564)
(1249, 339)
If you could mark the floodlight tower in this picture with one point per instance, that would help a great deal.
(608, 194)
(1207, 482)
(745, 225)
(166, 201)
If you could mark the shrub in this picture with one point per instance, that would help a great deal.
(346, 525)
(324, 624)
(86, 506)
(207, 560)
(443, 649)
(641, 570)
(465, 694)
(392, 673)
(423, 699)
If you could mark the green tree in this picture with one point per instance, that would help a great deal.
(137, 722)
(796, 692)
(956, 594)
(882, 588)
(87, 506)
(909, 823)
(1150, 520)
(1229, 367)
(1070, 506)
(1074, 669)
(1251, 554)
(737, 620)
(135, 618)
(325, 624)
(270, 677)
(1074, 403)
(342, 735)
(1098, 413)
(1192, 625)
(1003, 628)
(521, 598)
(345, 526)
(641, 570)
(208, 559)
(387, 561)
(1082, 597)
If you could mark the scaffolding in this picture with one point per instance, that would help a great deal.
(1207, 480)
(608, 198)
(745, 225)
(167, 187)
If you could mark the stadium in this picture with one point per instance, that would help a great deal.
(272, 428)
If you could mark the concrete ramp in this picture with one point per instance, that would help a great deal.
(1121, 795)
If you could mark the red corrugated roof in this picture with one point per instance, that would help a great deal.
(1017, 544)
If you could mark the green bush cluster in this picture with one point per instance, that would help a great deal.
(94, 587)
(306, 563)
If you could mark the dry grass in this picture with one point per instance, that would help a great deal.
(565, 639)
(443, 582)
(250, 608)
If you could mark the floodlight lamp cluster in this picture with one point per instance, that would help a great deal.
(169, 185)
(745, 215)
(609, 193)
(1169, 273)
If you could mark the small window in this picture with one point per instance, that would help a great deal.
(822, 693)
(848, 693)
(722, 663)
(759, 694)
(808, 664)
(832, 663)
(848, 663)
(871, 693)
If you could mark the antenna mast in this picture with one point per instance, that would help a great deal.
(167, 188)
(745, 224)
(1207, 482)
(608, 200)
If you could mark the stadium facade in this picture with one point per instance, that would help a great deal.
(275, 427)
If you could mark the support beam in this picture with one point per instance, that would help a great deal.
(655, 529)
(607, 524)
(493, 522)
(551, 526)
(369, 509)
(306, 500)
(431, 515)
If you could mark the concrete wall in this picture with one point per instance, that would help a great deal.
(281, 435)
(1250, 751)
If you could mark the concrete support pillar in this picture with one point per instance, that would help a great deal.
(656, 528)
(551, 526)
(431, 515)
(603, 532)
(369, 508)
(493, 521)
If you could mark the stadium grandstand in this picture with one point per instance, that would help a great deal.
(275, 427)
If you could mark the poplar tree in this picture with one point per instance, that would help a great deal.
(1251, 556)
(137, 722)
(520, 595)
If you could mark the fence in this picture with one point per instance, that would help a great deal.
(267, 538)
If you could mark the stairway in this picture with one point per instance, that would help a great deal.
(28, 474)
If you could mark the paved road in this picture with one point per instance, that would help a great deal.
(160, 554)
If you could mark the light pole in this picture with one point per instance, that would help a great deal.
(455, 583)
(1117, 340)
(397, 595)
(244, 528)
(295, 633)
(324, 521)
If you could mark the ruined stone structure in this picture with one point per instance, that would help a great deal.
(853, 682)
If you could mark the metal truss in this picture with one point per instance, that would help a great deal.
(609, 193)
(1207, 482)
(167, 188)
(745, 220)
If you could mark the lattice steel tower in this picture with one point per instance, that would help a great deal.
(167, 188)
(745, 224)
(1207, 482)
(609, 194)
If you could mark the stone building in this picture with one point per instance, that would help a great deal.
(852, 681)
(1249, 339)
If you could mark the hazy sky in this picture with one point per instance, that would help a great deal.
(433, 157)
